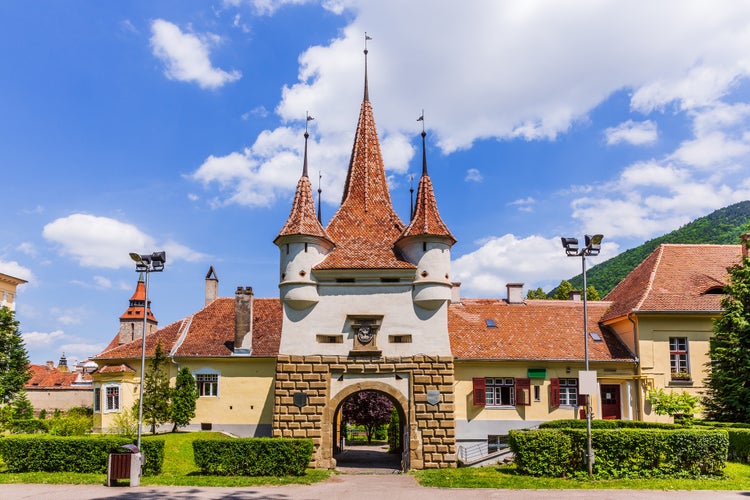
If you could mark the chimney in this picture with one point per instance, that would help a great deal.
(50, 365)
(212, 286)
(515, 293)
(243, 321)
(574, 295)
(455, 292)
(744, 239)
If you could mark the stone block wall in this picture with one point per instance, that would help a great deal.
(432, 435)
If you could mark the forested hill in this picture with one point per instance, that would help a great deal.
(724, 226)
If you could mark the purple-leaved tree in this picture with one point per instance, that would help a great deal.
(370, 409)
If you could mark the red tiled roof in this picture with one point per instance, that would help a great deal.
(43, 377)
(365, 227)
(210, 332)
(534, 330)
(675, 278)
(426, 220)
(302, 219)
(135, 309)
(123, 368)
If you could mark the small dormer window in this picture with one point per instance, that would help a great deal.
(715, 290)
(595, 336)
(490, 323)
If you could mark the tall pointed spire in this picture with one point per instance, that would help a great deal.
(365, 226)
(426, 220)
(302, 219)
(367, 93)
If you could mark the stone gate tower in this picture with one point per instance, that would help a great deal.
(365, 307)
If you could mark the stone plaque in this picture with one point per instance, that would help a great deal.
(433, 397)
(300, 399)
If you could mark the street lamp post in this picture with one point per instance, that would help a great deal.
(146, 264)
(592, 247)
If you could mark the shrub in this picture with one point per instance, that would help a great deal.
(542, 452)
(607, 424)
(27, 426)
(739, 445)
(76, 424)
(253, 456)
(71, 454)
(622, 453)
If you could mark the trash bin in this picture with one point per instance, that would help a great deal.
(125, 465)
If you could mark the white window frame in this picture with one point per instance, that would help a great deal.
(207, 372)
(679, 359)
(569, 392)
(496, 387)
(106, 406)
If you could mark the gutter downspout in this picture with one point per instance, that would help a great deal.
(637, 367)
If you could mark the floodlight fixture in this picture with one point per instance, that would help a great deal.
(570, 245)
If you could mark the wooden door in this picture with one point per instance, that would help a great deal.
(610, 397)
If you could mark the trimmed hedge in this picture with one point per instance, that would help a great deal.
(607, 424)
(621, 453)
(253, 456)
(72, 454)
(739, 445)
(27, 426)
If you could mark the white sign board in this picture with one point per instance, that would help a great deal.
(587, 382)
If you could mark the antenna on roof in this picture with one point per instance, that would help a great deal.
(367, 94)
(320, 216)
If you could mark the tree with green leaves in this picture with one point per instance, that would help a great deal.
(563, 290)
(592, 293)
(727, 396)
(156, 391)
(370, 409)
(184, 396)
(14, 360)
(681, 405)
(21, 407)
(536, 294)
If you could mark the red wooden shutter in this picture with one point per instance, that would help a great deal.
(523, 392)
(554, 392)
(581, 400)
(480, 397)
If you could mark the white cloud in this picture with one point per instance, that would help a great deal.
(267, 7)
(102, 242)
(34, 340)
(187, 56)
(486, 271)
(711, 150)
(524, 205)
(636, 133)
(473, 175)
(690, 55)
(102, 282)
(28, 248)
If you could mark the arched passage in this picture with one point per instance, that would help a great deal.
(331, 442)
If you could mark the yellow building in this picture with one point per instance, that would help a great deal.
(8, 286)
(664, 311)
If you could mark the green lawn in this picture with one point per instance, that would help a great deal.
(737, 478)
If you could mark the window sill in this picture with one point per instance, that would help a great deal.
(503, 407)
(681, 382)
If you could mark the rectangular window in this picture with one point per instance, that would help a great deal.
(98, 399)
(537, 393)
(568, 392)
(112, 398)
(500, 392)
(678, 357)
(208, 384)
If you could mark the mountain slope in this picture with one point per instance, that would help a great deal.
(724, 227)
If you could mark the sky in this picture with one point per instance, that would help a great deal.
(178, 125)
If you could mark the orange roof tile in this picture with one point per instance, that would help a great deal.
(43, 377)
(122, 368)
(302, 219)
(426, 219)
(534, 330)
(675, 277)
(365, 227)
(210, 332)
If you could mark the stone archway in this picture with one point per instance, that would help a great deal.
(332, 410)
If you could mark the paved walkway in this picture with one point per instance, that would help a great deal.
(349, 486)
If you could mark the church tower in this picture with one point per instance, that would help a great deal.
(131, 321)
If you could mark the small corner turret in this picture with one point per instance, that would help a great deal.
(131, 321)
(426, 243)
(302, 243)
